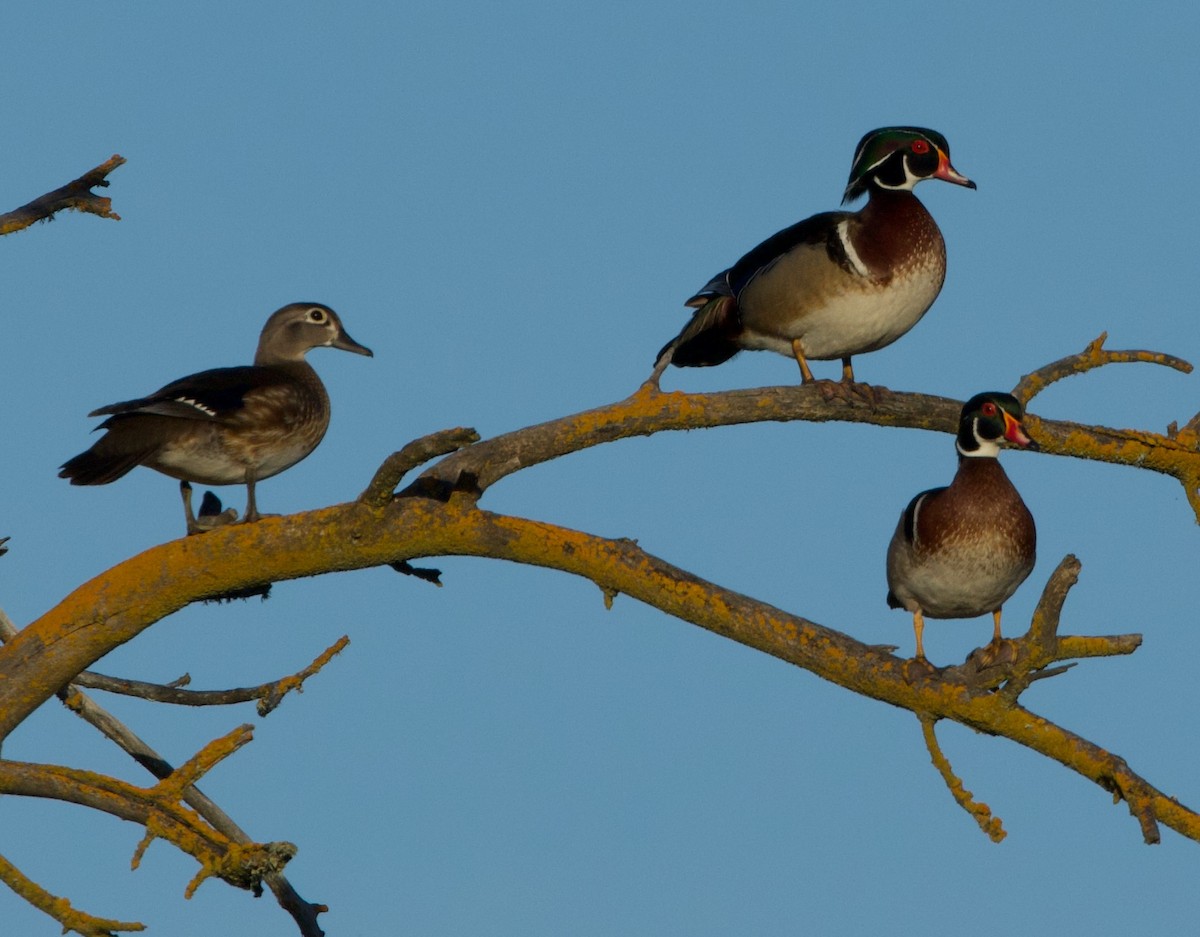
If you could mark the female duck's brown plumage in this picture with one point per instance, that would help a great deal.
(229, 425)
(961, 551)
(837, 284)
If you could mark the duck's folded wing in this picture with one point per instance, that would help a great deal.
(209, 395)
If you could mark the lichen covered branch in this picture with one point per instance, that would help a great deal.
(438, 514)
(981, 813)
(302, 911)
(418, 452)
(475, 469)
(1093, 356)
(71, 919)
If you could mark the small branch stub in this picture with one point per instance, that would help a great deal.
(383, 485)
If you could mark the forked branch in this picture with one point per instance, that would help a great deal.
(1095, 355)
(649, 411)
(438, 514)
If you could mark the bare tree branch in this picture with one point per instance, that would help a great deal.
(1094, 356)
(77, 195)
(979, 812)
(438, 515)
(71, 919)
(303, 912)
(415, 453)
(269, 695)
(116, 606)
(244, 865)
(475, 469)
(144, 806)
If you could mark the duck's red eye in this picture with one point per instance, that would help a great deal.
(920, 146)
(989, 409)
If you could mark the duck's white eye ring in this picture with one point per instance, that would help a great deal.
(317, 315)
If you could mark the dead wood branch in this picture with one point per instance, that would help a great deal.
(71, 919)
(980, 813)
(76, 195)
(438, 515)
(1093, 356)
(269, 695)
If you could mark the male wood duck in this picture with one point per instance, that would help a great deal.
(839, 283)
(226, 426)
(961, 551)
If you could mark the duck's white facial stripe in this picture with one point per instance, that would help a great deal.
(843, 233)
(909, 179)
(985, 448)
(197, 405)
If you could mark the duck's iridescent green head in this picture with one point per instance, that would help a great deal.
(899, 158)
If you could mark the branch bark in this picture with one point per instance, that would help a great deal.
(303, 912)
(650, 411)
(76, 195)
(72, 919)
(438, 514)
(269, 695)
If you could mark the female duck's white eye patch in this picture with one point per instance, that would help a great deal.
(316, 315)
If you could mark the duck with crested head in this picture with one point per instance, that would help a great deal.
(837, 284)
(962, 551)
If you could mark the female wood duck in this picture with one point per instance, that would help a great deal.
(226, 426)
(839, 283)
(961, 551)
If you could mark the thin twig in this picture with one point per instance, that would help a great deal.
(980, 813)
(303, 912)
(269, 695)
(60, 909)
(187, 774)
(1093, 356)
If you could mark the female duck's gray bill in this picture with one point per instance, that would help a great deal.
(346, 343)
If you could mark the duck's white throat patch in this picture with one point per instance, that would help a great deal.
(984, 448)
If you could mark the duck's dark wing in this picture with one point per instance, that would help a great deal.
(816, 233)
(209, 395)
(711, 336)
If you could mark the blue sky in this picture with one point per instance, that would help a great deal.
(509, 204)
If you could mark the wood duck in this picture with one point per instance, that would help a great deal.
(839, 283)
(226, 426)
(961, 551)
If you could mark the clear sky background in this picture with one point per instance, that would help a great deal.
(509, 203)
